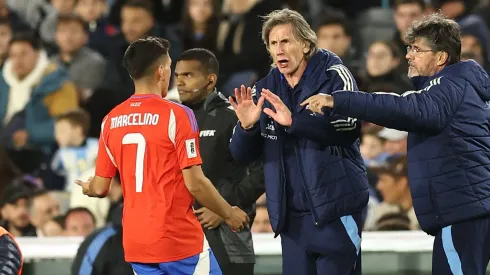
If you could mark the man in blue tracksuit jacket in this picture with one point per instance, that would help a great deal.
(448, 120)
(316, 183)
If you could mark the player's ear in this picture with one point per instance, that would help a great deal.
(212, 79)
(161, 73)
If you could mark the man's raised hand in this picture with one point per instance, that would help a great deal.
(245, 108)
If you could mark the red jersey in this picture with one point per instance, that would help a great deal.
(150, 140)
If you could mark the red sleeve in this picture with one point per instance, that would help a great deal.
(187, 139)
(105, 166)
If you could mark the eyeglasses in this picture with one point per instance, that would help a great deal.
(414, 51)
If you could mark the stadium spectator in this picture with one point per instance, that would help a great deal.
(43, 207)
(261, 223)
(137, 21)
(47, 28)
(372, 149)
(200, 24)
(6, 33)
(42, 91)
(240, 51)
(334, 34)
(14, 208)
(85, 66)
(473, 47)
(395, 141)
(405, 12)
(382, 73)
(79, 221)
(54, 227)
(76, 153)
(395, 192)
(99, 29)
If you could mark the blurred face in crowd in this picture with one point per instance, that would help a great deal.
(66, 134)
(5, 37)
(471, 49)
(261, 223)
(90, 10)
(79, 224)
(189, 76)
(371, 146)
(63, 6)
(52, 229)
(424, 62)
(43, 209)
(392, 189)
(17, 213)
(200, 10)
(23, 57)
(380, 60)
(393, 147)
(70, 37)
(453, 9)
(287, 51)
(135, 23)
(333, 38)
(405, 14)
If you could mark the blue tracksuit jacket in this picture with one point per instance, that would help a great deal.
(315, 165)
(448, 120)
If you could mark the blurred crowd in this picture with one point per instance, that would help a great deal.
(62, 71)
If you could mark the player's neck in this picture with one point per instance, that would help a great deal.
(145, 88)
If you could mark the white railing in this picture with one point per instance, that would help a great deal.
(264, 244)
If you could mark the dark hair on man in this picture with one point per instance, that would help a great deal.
(27, 37)
(79, 210)
(207, 59)
(72, 18)
(330, 18)
(440, 33)
(398, 3)
(143, 56)
(147, 5)
(77, 117)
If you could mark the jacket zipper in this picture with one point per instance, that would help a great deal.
(282, 181)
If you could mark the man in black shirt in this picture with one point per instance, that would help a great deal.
(196, 74)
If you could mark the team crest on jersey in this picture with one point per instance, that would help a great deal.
(190, 146)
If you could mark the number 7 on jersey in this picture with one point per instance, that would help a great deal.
(140, 141)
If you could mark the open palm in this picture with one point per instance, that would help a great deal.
(245, 108)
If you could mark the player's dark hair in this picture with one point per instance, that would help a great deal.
(78, 117)
(205, 57)
(79, 210)
(146, 5)
(440, 33)
(398, 3)
(334, 18)
(27, 37)
(72, 18)
(143, 56)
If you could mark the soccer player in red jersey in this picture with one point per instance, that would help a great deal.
(154, 143)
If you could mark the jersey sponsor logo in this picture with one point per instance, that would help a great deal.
(207, 133)
(190, 146)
